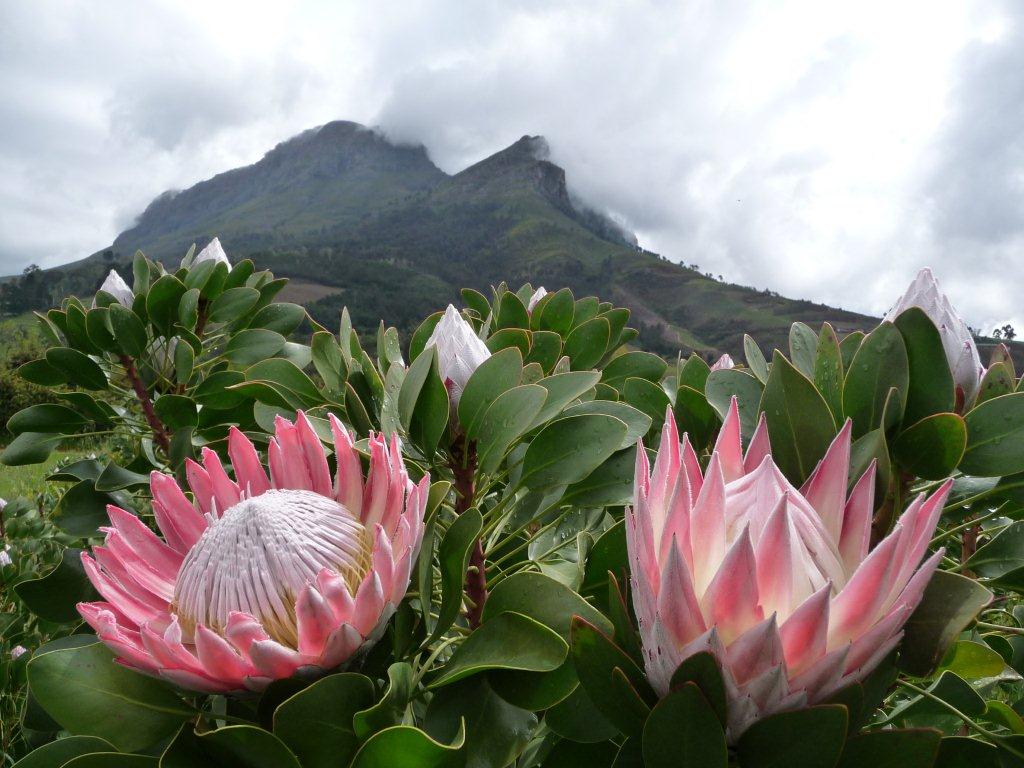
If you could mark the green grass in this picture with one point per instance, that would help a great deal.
(30, 480)
(12, 329)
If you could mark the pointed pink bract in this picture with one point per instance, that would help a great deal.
(777, 582)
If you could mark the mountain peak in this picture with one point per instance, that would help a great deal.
(535, 147)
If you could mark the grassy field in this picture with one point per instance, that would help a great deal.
(30, 480)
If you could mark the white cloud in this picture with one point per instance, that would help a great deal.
(825, 150)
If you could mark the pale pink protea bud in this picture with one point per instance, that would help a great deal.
(115, 285)
(957, 339)
(539, 294)
(18, 651)
(212, 252)
(257, 578)
(778, 583)
(723, 363)
(459, 351)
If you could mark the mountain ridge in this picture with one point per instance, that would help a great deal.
(378, 226)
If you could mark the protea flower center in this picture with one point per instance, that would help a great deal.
(261, 552)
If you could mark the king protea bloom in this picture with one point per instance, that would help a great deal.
(115, 285)
(957, 339)
(256, 579)
(724, 363)
(459, 351)
(213, 251)
(539, 294)
(778, 583)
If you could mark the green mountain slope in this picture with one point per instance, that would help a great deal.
(358, 220)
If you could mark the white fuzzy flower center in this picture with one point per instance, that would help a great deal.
(258, 556)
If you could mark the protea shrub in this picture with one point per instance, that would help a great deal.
(259, 578)
(778, 583)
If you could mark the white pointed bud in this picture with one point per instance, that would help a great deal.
(957, 339)
(459, 351)
(212, 252)
(539, 294)
(723, 363)
(5, 556)
(118, 288)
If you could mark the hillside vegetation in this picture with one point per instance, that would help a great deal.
(350, 213)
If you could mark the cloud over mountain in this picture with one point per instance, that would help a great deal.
(823, 151)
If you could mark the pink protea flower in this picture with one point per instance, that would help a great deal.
(257, 578)
(778, 583)
(459, 352)
(724, 363)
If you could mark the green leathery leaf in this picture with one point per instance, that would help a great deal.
(162, 301)
(995, 437)
(403, 746)
(453, 559)
(316, 723)
(931, 388)
(803, 348)
(89, 695)
(586, 343)
(621, 698)
(998, 380)
(507, 417)
(809, 738)
(29, 448)
(933, 447)
(828, 370)
(495, 375)
(233, 746)
(755, 359)
(568, 449)
(391, 708)
(949, 604)
(509, 337)
(496, 731)
(880, 364)
(637, 422)
(558, 311)
(511, 312)
(54, 596)
(59, 752)
(46, 417)
(506, 641)
(907, 748)
(78, 368)
(723, 385)
(635, 364)
(563, 389)
(252, 345)
(800, 424)
(545, 349)
(647, 397)
(683, 729)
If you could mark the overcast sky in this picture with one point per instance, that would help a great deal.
(826, 150)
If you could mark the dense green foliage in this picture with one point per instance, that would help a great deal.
(516, 644)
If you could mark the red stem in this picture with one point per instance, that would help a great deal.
(464, 469)
(160, 436)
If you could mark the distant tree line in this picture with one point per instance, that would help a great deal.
(32, 289)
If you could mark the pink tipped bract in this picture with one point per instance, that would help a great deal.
(258, 578)
(778, 583)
